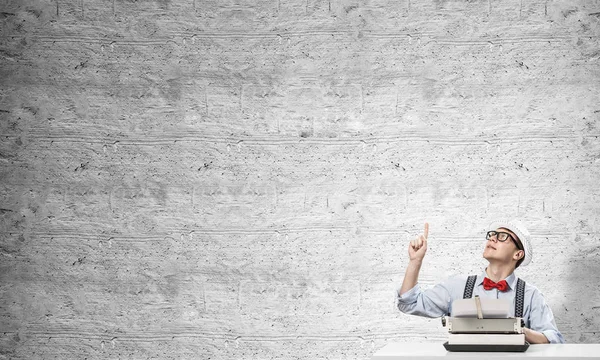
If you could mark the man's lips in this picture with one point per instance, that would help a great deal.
(490, 246)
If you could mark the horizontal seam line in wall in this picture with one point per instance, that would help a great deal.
(428, 38)
(281, 231)
(326, 141)
(121, 337)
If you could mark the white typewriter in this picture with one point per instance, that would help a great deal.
(481, 324)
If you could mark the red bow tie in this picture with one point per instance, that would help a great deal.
(501, 285)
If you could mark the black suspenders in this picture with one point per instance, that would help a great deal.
(519, 297)
(469, 287)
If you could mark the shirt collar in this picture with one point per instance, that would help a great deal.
(511, 279)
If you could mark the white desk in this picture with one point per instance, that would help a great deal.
(433, 351)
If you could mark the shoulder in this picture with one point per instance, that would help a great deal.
(456, 284)
(529, 287)
(532, 292)
(458, 278)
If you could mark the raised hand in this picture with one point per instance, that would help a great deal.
(418, 247)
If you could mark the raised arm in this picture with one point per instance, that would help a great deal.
(416, 252)
(410, 299)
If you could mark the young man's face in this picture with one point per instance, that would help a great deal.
(502, 251)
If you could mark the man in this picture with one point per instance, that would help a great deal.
(508, 246)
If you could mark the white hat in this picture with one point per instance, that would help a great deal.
(520, 230)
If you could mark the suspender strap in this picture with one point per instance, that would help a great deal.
(519, 298)
(469, 287)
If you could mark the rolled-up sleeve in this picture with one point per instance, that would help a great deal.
(431, 303)
(541, 319)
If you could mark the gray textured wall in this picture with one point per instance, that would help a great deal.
(240, 179)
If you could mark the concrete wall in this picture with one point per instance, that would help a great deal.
(240, 179)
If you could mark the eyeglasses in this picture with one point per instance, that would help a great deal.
(499, 235)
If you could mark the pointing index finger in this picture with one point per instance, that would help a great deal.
(426, 230)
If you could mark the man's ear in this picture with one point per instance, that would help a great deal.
(519, 255)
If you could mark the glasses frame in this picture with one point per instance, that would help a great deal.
(488, 237)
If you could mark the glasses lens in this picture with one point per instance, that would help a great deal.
(502, 236)
(490, 234)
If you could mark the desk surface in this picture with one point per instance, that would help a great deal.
(427, 351)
